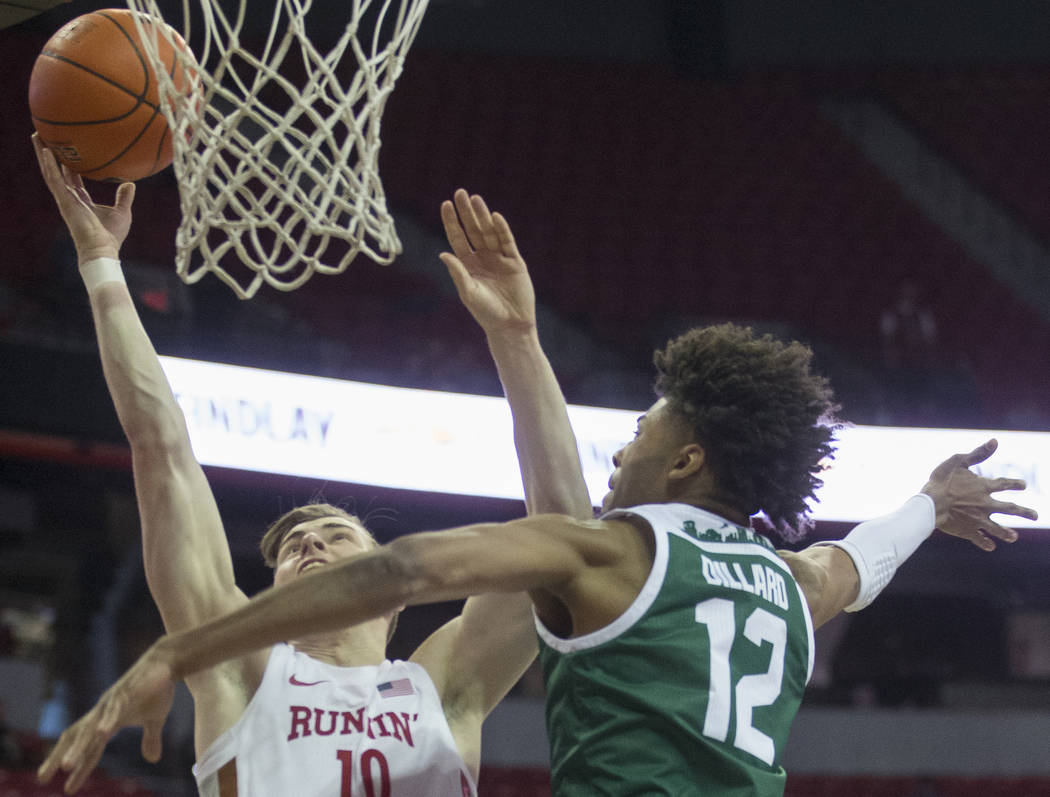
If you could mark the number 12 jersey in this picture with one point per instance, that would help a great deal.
(693, 689)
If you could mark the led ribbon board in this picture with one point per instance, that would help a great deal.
(431, 441)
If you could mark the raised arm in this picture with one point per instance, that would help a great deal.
(476, 658)
(187, 559)
(847, 575)
(493, 282)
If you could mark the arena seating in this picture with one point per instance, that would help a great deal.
(653, 195)
(991, 121)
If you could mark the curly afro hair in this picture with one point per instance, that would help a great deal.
(766, 421)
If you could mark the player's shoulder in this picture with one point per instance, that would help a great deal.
(608, 533)
(583, 534)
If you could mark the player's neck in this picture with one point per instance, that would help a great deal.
(351, 647)
(724, 510)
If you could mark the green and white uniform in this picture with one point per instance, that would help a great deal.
(693, 689)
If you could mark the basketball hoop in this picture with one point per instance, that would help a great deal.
(277, 147)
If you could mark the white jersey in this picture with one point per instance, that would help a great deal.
(317, 729)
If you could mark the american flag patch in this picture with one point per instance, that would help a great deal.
(398, 688)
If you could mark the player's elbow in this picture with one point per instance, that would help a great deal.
(161, 432)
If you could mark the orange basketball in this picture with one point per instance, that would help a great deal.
(95, 101)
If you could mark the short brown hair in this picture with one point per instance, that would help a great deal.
(276, 531)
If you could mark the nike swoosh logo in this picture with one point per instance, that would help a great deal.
(296, 682)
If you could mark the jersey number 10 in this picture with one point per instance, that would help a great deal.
(751, 691)
(373, 767)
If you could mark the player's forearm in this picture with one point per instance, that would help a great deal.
(545, 443)
(140, 391)
(417, 568)
(879, 546)
(335, 597)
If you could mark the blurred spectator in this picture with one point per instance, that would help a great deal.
(923, 385)
(909, 332)
(54, 714)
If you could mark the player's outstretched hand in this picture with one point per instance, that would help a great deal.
(490, 276)
(141, 698)
(964, 500)
(97, 230)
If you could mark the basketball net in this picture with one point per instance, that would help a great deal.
(278, 173)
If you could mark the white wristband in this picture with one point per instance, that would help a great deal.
(100, 271)
(878, 547)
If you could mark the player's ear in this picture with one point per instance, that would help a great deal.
(688, 461)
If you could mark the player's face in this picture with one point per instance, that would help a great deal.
(642, 465)
(315, 543)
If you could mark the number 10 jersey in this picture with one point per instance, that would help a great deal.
(317, 730)
(693, 689)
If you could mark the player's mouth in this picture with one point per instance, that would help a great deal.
(309, 563)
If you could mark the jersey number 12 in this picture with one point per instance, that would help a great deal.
(751, 691)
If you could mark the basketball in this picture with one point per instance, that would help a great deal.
(95, 100)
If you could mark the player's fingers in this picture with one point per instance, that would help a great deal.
(1003, 483)
(125, 196)
(77, 182)
(484, 217)
(981, 453)
(47, 770)
(507, 244)
(468, 218)
(1010, 508)
(41, 151)
(993, 529)
(86, 761)
(152, 744)
(481, 210)
(456, 270)
(43, 154)
(80, 739)
(75, 186)
(982, 540)
(457, 239)
(92, 738)
(974, 534)
(48, 166)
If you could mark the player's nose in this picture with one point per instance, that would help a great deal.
(313, 540)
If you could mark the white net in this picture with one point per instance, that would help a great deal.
(277, 145)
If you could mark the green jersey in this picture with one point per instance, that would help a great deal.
(693, 689)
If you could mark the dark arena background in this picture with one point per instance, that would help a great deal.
(869, 177)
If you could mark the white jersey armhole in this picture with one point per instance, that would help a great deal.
(224, 748)
(639, 606)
